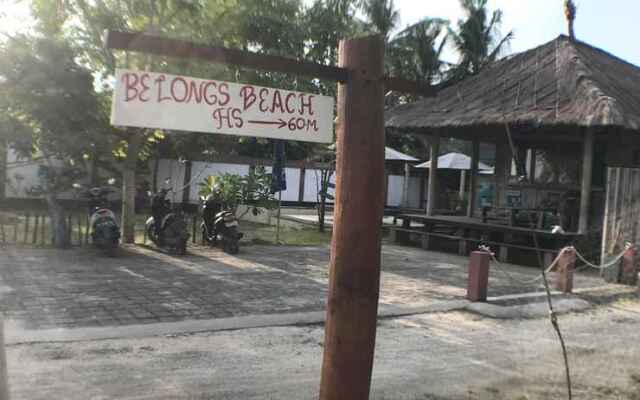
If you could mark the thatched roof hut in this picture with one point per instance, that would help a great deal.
(563, 83)
(565, 99)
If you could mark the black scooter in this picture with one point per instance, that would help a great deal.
(105, 233)
(219, 225)
(167, 227)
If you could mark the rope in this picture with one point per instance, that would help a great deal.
(607, 265)
(508, 275)
(587, 264)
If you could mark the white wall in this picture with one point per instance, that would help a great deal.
(312, 185)
(22, 175)
(414, 192)
(174, 170)
(293, 183)
(394, 190)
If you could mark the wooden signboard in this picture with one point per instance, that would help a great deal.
(173, 102)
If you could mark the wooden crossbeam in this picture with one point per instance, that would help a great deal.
(144, 43)
(140, 42)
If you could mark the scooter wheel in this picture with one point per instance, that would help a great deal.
(182, 248)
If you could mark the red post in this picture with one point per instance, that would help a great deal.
(629, 268)
(354, 277)
(566, 268)
(478, 276)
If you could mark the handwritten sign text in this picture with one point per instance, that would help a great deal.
(164, 101)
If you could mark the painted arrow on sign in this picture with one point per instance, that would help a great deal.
(280, 122)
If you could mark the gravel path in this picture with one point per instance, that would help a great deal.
(432, 356)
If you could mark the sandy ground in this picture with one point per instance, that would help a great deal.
(454, 355)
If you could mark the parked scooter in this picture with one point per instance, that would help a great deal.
(219, 225)
(105, 233)
(167, 227)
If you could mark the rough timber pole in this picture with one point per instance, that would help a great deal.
(585, 192)
(432, 195)
(354, 280)
(473, 181)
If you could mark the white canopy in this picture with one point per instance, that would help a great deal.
(389, 154)
(392, 154)
(456, 161)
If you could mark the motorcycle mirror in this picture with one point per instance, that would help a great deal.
(149, 193)
(111, 181)
(77, 186)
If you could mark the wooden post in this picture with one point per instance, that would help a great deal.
(585, 188)
(473, 179)
(26, 227)
(405, 185)
(79, 221)
(434, 151)
(629, 270)
(566, 268)
(354, 280)
(34, 238)
(194, 229)
(478, 280)
(43, 230)
(463, 184)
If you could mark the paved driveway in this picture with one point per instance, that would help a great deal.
(48, 288)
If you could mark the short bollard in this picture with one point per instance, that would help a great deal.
(566, 268)
(478, 276)
(629, 274)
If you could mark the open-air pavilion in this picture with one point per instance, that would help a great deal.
(563, 120)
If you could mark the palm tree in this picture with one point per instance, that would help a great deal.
(477, 38)
(382, 16)
(415, 52)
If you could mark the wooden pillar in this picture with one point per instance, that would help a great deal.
(405, 185)
(422, 185)
(354, 278)
(473, 181)
(432, 195)
(585, 188)
(463, 179)
(478, 276)
(502, 171)
(566, 269)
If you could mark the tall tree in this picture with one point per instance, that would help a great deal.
(43, 88)
(478, 38)
(382, 16)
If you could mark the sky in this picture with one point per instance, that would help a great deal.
(608, 24)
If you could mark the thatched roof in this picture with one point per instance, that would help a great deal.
(561, 83)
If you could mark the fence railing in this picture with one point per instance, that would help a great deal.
(33, 227)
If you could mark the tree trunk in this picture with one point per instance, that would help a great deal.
(59, 232)
(129, 188)
(321, 213)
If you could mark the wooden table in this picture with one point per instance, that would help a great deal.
(468, 231)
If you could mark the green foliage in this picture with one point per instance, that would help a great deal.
(43, 90)
(382, 16)
(477, 39)
(232, 190)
